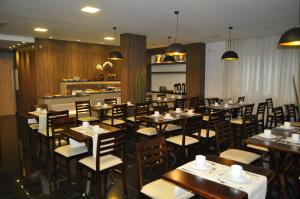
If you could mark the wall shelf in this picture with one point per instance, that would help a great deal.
(176, 63)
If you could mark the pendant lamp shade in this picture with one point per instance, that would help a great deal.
(229, 55)
(176, 48)
(115, 55)
(292, 36)
(169, 59)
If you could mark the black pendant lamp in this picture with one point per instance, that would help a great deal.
(176, 48)
(230, 55)
(292, 36)
(115, 55)
(168, 58)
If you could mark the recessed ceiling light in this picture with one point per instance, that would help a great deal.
(18, 44)
(101, 42)
(13, 46)
(78, 40)
(50, 37)
(41, 29)
(23, 42)
(89, 9)
(109, 38)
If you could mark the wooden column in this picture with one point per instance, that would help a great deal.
(195, 66)
(133, 75)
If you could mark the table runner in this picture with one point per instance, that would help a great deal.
(256, 188)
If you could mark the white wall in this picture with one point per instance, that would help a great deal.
(214, 69)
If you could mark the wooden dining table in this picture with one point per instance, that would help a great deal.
(279, 149)
(210, 189)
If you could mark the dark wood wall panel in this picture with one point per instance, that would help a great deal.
(25, 63)
(57, 59)
(134, 67)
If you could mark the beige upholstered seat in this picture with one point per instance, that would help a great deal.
(34, 126)
(162, 189)
(69, 151)
(240, 156)
(178, 140)
(131, 119)
(238, 121)
(116, 122)
(106, 162)
(88, 119)
(44, 132)
(203, 132)
(172, 127)
(205, 118)
(149, 131)
(261, 148)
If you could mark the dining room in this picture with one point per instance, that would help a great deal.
(150, 99)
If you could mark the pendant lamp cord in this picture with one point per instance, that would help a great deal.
(176, 13)
(229, 37)
(115, 34)
(298, 13)
(169, 38)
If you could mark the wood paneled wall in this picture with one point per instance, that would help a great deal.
(57, 59)
(195, 66)
(25, 63)
(134, 67)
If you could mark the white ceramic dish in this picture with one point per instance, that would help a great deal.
(242, 179)
(207, 166)
(289, 139)
(263, 136)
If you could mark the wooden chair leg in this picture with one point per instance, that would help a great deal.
(98, 193)
(68, 176)
(124, 180)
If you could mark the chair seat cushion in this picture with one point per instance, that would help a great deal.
(69, 151)
(44, 132)
(203, 132)
(172, 127)
(116, 122)
(88, 119)
(106, 162)
(34, 126)
(162, 189)
(205, 118)
(178, 140)
(131, 119)
(149, 131)
(238, 121)
(261, 148)
(240, 156)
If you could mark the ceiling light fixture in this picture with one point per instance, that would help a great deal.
(18, 44)
(78, 40)
(109, 38)
(50, 37)
(229, 54)
(292, 36)
(176, 48)
(89, 9)
(38, 29)
(115, 55)
(168, 58)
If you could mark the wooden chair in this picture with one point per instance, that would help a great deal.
(270, 113)
(65, 154)
(161, 95)
(118, 116)
(83, 112)
(189, 136)
(260, 115)
(45, 131)
(225, 145)
(109, 156)
(291, 112)
(241, 99)
(194, 102)
(278, 116)
(152, 156)
(111, 101)
(212, 101)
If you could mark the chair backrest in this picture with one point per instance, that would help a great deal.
(141, 109)
(291, 112)
(111, 101)
(162, 95)
(110, 143)
(224, 136)
(179, 103)
(191, 125)
(270, 105)
(248, 110)
(278, 116)
(148, 98)
(213, 118)
(119, 111)
(83, 108)
(260, 113)
(63, 123)
(241, 99)
(150, 155)
(51, 116)
(34, 107)
(211, 101)
(194, 102)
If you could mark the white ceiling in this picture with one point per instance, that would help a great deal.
(200, 20)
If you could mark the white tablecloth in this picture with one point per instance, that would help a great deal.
(256, 187)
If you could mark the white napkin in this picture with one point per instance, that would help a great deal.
(31, 121)
(178, 191)
(42, 122)
(75, 144)
(95, 141)
(256, 188)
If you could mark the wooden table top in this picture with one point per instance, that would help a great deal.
(84, 138)
(231, 106)
(275, 145)
(162, 101)
(297, 124)
(210, 189)
(160, 120)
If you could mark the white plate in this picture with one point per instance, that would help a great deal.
(242, 179)
(207, 166)
(289, 139)
(263, 136)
